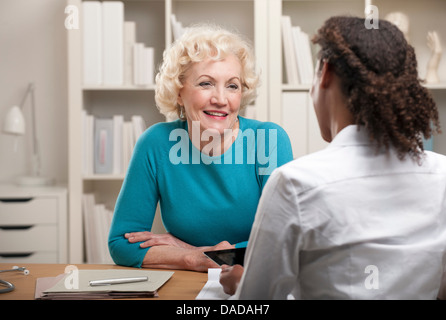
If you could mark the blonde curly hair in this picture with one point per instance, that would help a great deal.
(197, 44)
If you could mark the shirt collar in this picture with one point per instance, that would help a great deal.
(352, 135)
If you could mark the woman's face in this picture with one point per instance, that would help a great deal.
(212, 92)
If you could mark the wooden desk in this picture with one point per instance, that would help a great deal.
(184, 285)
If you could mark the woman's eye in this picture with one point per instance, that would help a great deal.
(205, 84)
(233, 86)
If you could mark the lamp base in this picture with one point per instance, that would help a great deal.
(34, 181)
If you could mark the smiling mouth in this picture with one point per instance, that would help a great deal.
(216, 114)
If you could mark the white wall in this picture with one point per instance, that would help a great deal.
(33, 48)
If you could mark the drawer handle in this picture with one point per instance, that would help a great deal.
(16, 255)
(16, 227)
(9, 200)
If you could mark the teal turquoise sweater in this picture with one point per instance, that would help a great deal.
(203, 200)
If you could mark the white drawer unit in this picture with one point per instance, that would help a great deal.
(33, 224)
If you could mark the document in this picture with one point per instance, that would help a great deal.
(213, 290)
(77, 285)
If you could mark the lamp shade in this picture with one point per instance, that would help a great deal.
(14, 122)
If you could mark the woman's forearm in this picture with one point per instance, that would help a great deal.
(172, 257)
(169, 257)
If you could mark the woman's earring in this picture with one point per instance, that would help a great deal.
(182, 113)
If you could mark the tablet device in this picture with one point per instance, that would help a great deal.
(227, 256)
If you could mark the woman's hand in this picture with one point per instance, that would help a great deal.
(169, 252)
(230, 278)
(171, 257)
(150, 239)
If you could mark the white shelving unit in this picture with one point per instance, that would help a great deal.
(424, 16)
(258, 20)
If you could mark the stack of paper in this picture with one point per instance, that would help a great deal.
(76, 285)
(297, 54)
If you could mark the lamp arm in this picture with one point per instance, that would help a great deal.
(36, 151)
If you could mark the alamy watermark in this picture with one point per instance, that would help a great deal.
(72, 278)
(72, 20)
(371, 17)
(261, 147)
(371, 282)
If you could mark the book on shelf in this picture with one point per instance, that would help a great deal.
(113, 42)
(103, 145)
(111, 55)
(297, 54)
(107, 143)
(92, 42)
(129, 42)
(97, 222)
(143, 64)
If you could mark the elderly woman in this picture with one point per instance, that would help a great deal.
(208, 168)
(364, 218)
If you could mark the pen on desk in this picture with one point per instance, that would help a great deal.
(107, 282)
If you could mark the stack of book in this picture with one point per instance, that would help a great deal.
(108, 143)
(97, 222)
(297, 54)
(111, 55)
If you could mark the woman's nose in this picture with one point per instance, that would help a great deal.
(219, 97)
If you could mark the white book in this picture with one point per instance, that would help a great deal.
(92, 42)
(118, 123)
(139, 126)
(88, 204)
(98, 233)
(300, 58)
(129, 41)
(127, 142)
(87, 143)
(113, 42)
(137, 63)
(103, 145)
(149, 67)
(289, 51)
(294, 120)
(308, 57)
(84, 142)
(102, 230)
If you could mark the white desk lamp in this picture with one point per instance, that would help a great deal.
(14, 124)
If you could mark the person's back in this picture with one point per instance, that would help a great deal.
(370, 225)
(364, 218)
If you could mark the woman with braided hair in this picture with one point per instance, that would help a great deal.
(364, 218)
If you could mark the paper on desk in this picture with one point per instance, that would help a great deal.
(213, 290)
(57, 288)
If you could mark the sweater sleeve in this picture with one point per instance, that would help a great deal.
(135, 206)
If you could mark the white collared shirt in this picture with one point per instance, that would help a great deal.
(349, 223)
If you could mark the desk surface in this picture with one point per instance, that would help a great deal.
(184, 285)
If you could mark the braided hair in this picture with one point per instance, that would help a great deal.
(378, 72)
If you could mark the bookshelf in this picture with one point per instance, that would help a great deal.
(258, 20)
(423, 16)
